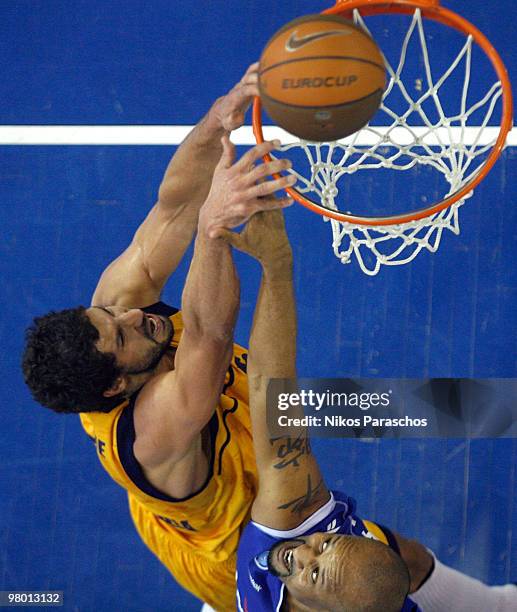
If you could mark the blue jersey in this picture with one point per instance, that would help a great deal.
(260, 591)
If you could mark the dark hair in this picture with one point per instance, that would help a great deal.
(62, 366)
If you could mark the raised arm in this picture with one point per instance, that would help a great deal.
(136, 278)
(173, 407)
(291, 486)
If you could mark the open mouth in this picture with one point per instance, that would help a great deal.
(151, 326)
(286, 556)
(288, 560)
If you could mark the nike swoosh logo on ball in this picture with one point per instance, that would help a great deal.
(294, 43)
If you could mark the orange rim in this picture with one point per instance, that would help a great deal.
(430, 9)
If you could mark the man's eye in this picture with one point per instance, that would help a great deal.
(314, 575)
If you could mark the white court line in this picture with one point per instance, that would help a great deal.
(175, 134)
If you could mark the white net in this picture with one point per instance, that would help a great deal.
(426, 123)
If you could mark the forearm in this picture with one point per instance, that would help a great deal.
(188, 177)
(273, 337)
(272, 350)
(211, 295)
(189, 173)
(291, 486)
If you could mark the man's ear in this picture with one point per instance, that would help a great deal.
(119, 386)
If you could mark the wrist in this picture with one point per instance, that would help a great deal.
(207, 232)
(214, 121)
(279, 269)
(209, 130)
(205, 224)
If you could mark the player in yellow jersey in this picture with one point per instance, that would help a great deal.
(164, 395)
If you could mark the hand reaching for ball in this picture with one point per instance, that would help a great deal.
(231, 108)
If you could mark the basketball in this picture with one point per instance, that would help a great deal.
(321, 77)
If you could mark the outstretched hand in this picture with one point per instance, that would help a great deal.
(239, 190)
(231, 108)
(264, 238)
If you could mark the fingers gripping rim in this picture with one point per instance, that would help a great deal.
(431, 10)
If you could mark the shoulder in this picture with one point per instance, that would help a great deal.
(337, 515)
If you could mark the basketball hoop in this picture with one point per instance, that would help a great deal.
(434, 118)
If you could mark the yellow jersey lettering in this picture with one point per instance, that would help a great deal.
(177, 524)
(100, 447)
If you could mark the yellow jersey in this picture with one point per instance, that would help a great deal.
(210, 521)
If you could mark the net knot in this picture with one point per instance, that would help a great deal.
(329, 192)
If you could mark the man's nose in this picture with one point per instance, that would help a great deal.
(303, 555)
(131, 317)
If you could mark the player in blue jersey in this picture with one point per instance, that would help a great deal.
(301, 551)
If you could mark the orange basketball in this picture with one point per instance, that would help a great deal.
(321, 77)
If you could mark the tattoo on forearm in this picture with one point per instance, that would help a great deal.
(300, 504)
(289, 450)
